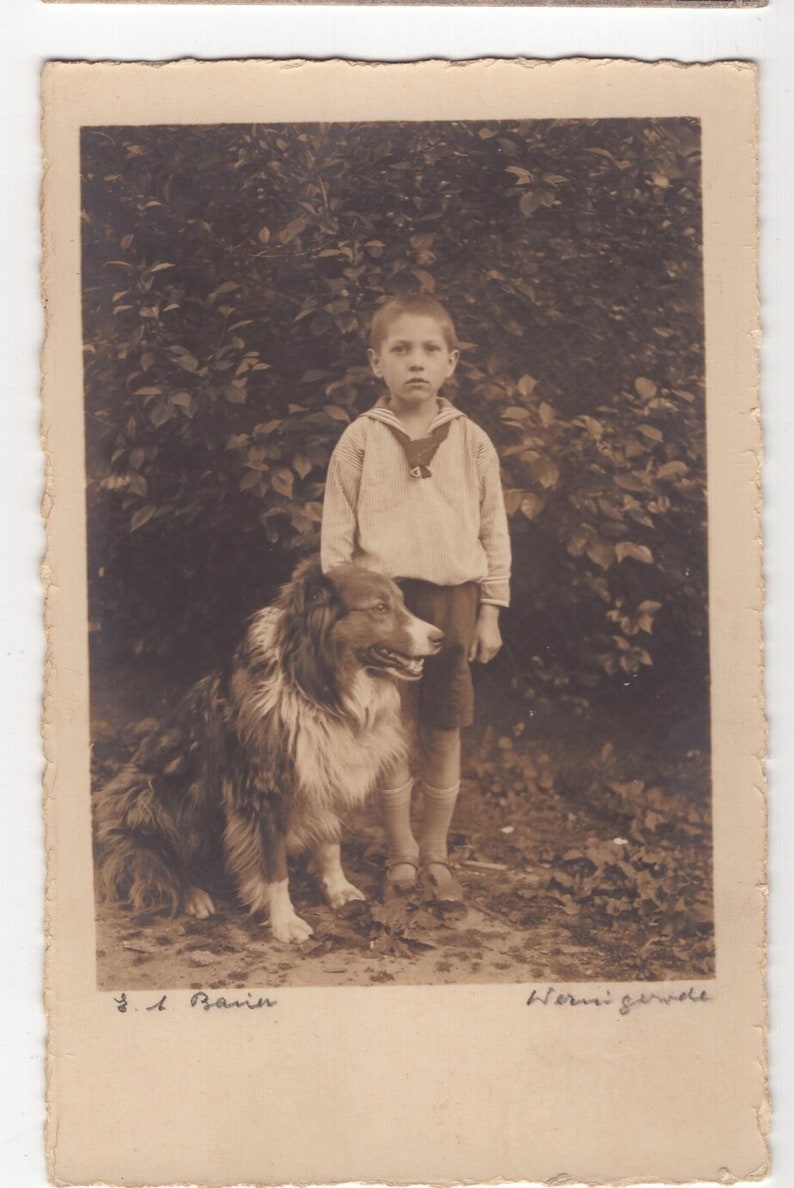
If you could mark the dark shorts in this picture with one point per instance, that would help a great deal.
(446, 692)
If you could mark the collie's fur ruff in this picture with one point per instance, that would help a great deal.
(264, 762)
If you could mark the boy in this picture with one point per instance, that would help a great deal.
(414, 490)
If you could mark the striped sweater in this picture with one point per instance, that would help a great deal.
(448, 528)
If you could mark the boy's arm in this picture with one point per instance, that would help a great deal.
(338, 530)
(494, 532)
(495, 539)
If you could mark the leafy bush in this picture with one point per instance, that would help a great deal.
(229, 275)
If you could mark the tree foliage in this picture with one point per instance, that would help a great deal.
(229, 273)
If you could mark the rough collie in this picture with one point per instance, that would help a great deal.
(263, 762)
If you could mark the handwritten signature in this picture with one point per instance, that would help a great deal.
(202, 1001)
(628, 1002)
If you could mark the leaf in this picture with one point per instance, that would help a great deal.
(532, 505)
(650, 432)
(263, 235)
(160, 267)
(314, 512)
(227, 287)
(526, 385)
(512, 498)
(425, 279)
(237, 440)
(545, 472)
(159, 414)
(320, 324)
(530, 201)
(142, 516)
(336, 413)
(546, 413)
(601, 553)
(282, 481)
(629, 481)
(515, 412)
(250, 480)
(184, 401)
(235, 395)
(288, 233)
(593, 427)
(627, 548)
(672, 470)
(645, 387)
(136, 483)
(301, 465)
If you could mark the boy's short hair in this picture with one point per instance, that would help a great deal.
(412, 303)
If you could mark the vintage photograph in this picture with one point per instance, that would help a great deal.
(396, 505)
(404, 790)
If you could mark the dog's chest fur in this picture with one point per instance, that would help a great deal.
(337, 761)
(334, 760)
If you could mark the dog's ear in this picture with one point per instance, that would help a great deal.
(309, 607)
(309, 589)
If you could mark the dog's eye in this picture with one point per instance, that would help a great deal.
(381, 608)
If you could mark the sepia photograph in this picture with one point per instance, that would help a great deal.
(403, 712)
(345, 372)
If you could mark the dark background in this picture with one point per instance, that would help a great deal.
(229, 274)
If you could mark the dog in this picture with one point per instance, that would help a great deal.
(264, 761)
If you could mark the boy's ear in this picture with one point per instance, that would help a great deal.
(454, 356)
(374, 362)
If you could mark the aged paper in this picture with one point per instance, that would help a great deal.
(516, 3)
(202, 1051)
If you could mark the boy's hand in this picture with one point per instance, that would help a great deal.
(487, 637)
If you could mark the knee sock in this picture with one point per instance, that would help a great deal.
(439, 805)
(395, 811)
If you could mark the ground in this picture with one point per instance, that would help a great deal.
(584, 860)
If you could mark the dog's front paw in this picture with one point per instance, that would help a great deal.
(341, 892)
(198, 903)
(290, 929)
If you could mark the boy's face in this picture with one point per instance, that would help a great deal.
(413, 359)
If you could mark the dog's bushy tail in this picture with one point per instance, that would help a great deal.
(136, 858)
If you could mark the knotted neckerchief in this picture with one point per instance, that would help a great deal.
(419, 452)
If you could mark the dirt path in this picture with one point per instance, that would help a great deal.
(515, 928)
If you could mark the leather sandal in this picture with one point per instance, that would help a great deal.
(404, 885)
(445, 891)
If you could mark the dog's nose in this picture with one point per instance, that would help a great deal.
(436, 637)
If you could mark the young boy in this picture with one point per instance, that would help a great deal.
(414, 490)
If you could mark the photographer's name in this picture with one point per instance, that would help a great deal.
(200, 1000)
(626, 1003)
